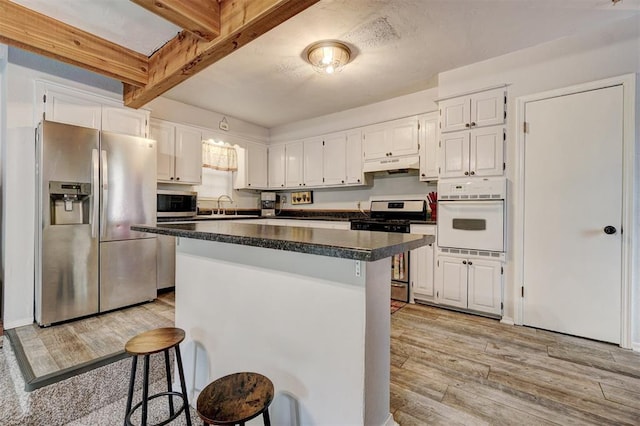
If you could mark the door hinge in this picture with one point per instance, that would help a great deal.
(504, 166)
(418, 125)
(501, 270)
(322, 179)
(439, 170)
(322, 143)
(439, 144)
(501, 305)
(525, 127)
(504, 135)
(44, 98)
(418, 146)
(438, 262)
(522, 291)
(440, 112)
(505, 100)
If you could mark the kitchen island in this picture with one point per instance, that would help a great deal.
(307, 307)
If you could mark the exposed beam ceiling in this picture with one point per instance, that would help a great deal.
(240, 21)
(32, 31)
(198, 17)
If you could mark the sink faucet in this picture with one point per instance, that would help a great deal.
(227, 198)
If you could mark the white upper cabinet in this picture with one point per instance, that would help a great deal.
(428, 138)
(79, 108)
(125, 121)
(294, 167)
(353, 153)
(179, 152)
(256, 165)
(165, 136)
(391, 139)
(252, 166)
(314, 159)
(72, 107)
(188, 155)
(334, 162)
(478, 152)
(276, 155)
(487, 108)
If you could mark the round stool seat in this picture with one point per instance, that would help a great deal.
(235, 398)
(153, 341)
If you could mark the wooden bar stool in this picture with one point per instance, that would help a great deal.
(236, 399)
(145, 344)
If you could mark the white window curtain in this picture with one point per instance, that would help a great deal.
(219, 156)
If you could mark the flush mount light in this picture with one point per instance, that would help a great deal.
(328, 57)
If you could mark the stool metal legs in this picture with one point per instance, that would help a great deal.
(183, 385)
(132, 382)
(145, 390)
(169, 381)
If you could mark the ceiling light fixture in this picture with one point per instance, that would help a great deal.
(328, 57)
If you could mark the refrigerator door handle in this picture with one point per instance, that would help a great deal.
(95, 194)
(105, 193)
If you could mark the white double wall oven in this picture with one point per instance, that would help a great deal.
(471, 244)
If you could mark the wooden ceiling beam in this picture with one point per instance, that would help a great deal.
(241, 22)
(32, 31)
(198, 17)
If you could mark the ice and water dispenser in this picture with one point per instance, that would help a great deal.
(69, 202)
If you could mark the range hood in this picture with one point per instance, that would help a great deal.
(392, 163)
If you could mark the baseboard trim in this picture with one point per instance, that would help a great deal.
(507, 321)
(390, 421)
(17, 323)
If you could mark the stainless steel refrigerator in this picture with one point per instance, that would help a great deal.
(91, 186)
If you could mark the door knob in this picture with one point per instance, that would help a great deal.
(610, 229)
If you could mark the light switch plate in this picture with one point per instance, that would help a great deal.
(304, 197)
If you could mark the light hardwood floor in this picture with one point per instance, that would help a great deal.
(64, 346)
(452, 368)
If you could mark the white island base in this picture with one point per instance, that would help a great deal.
(317, 326)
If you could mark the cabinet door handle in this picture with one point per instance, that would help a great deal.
(466, 173)
(171, 178)
(470, 263)
(467, 125)
(472, 173)
(423, 175)
(178, 178)
(473, 123)
(464, 262)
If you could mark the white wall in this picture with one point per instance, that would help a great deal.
(3, 136)
(606, 52)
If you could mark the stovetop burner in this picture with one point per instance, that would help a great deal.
(392, 215)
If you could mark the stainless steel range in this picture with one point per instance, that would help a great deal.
(394, 216)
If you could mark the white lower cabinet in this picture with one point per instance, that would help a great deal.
(421, 269)
(469, 283)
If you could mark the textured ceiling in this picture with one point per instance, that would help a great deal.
(400, 47)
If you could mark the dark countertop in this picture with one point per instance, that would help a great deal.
(326, 216)
(357, 245)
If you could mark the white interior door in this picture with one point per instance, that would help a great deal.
(572, 191)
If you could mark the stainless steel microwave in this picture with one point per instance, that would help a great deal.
(177, 203)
